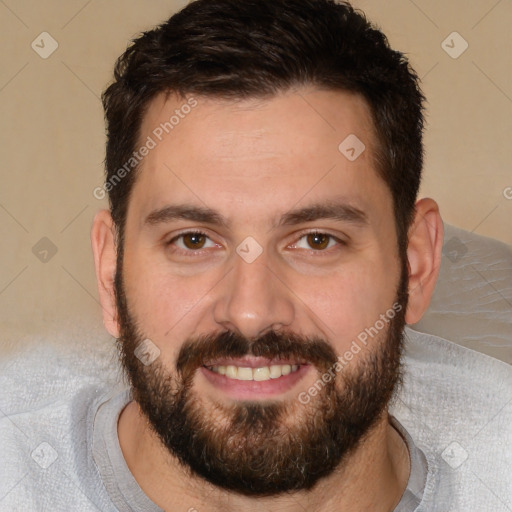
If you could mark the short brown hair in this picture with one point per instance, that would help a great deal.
(256, 48)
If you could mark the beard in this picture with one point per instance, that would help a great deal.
(263, 448)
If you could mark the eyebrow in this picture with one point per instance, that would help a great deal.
(185, 212)
(328, 210)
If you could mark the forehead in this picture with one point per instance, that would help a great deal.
(292, 117)
(260, 155)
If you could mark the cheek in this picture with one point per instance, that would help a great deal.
(167, 306)
(351, 299)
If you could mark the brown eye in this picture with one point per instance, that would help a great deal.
(194, 240)
(318, 240)
(192, 243)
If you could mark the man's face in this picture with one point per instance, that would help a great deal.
(249, 269)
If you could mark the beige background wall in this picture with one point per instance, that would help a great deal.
(52, 132)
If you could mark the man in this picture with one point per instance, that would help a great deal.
(263, 251)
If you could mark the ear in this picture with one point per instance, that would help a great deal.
(424, 257)
(105, 260)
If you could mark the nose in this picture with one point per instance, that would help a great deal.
(252, 299)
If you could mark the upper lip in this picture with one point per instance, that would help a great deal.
(252, 362)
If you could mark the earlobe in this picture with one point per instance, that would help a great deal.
(105, 260)
(424, 257)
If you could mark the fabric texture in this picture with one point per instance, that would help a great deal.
(456, 405)
(472, 301)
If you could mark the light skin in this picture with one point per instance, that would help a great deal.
(252, 162)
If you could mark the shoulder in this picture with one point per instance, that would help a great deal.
(43, 374)
(47, 397)
(461, 375)
(456, 404)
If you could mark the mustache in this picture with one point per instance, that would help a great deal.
(272, 345)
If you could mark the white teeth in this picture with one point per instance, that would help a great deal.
(275, 371)
(259, 374)
(244, 373)
(231, 372)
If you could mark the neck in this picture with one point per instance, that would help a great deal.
(373, 478)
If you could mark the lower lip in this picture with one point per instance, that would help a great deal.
(253, 389)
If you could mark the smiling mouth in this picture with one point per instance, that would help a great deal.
(254, 377)
(260, 373)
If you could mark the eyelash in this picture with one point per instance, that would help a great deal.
(300, 237)
(190, 232)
